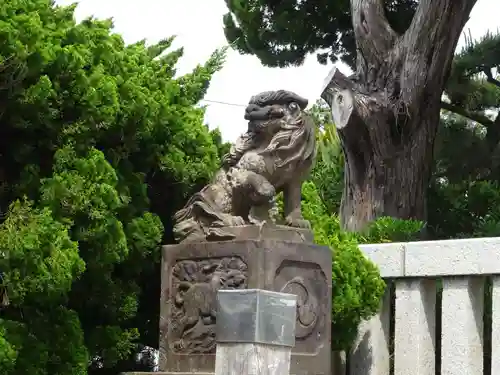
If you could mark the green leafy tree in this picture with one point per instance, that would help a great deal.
(99, 145)
(464, 189)
(328, 170)
(388, 110)
(356, 284)
(282, 33)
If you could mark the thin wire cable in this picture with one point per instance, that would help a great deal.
(223, 103)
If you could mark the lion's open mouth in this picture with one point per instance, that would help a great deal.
(255, 113)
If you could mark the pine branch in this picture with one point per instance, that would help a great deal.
(466, 86)
(477, 117)
(489, 75)
(475, 57)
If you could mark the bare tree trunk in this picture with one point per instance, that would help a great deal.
(387, 113)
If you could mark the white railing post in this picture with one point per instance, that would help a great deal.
(370, 352)
(462, 326)
(495, 327)
(416, 268)
(255, 332)
(415, 327)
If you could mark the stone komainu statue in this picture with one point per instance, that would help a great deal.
(275, 155)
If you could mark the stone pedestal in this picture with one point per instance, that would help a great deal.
(272, 258)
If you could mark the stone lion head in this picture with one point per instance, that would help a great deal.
(277, 120)
(271, 111)
(279, 116)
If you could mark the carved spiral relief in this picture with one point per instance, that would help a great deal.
(308, 282)
(307, 306)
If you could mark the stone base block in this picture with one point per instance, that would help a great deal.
(193, 273)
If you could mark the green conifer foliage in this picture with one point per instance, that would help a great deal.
(99, 144)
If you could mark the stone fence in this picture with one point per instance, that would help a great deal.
(441, 310)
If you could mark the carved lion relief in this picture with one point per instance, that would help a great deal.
(193, 300)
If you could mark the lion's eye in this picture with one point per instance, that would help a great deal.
(293, 106)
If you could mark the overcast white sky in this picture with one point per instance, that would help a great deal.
(198, 26)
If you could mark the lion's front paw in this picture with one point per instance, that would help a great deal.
(229, 221)
(298, 222)
(237, 221)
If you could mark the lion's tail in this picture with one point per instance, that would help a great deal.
(187, 221)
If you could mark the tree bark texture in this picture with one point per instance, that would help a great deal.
(387, 113)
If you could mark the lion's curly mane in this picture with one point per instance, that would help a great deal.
(293, 143)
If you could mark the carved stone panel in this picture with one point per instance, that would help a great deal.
(194, 289)
(194, 272)
(308, 282)
(306, 271)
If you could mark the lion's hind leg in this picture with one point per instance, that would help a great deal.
(292, 195)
